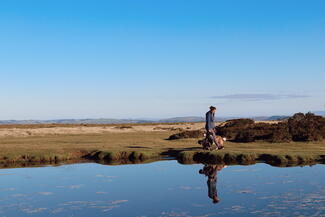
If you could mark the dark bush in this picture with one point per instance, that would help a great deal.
(242, 122)
(306, 127)
(247, 135)
(280, 133)
(232, 128)
(246, 130)
(300, 127)
(187, 134)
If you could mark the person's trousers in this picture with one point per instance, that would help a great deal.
(214, 136)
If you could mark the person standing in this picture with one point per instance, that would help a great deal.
(210, 127)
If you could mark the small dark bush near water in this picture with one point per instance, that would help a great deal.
(187, 134)
(300, 127)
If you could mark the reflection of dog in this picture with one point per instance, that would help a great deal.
(207, 142)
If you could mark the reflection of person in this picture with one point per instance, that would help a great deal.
(211, 172)
(210, 127)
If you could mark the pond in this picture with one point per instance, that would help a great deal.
(164, 188)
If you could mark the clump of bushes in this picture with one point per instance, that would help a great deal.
(233, 129)
(246, 130)
(300, 127)
(306, 127)
(123, 127)
(187, 134)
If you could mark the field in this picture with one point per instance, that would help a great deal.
(30, 144)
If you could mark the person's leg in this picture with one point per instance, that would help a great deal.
(215, 139)
(208, 139)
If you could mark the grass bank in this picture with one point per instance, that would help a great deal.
(148, 146)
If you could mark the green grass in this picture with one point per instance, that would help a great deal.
(141, 146)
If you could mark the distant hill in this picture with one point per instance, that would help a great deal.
(271, 118)
(322, 113)
(74, 121)
(133, 121)
(182, 119)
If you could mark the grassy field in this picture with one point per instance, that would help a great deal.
(140, 146)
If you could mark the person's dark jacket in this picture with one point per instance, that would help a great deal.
(209, 121)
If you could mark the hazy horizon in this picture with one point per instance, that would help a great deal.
(140, 59)
(158, 119)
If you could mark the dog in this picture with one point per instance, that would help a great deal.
(207, 142)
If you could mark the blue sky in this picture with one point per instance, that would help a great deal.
(160, 58)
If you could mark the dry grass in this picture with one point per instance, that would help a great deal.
(63, 129)
(35, 126)
(140, 145)
(61, 144)
(141, 141)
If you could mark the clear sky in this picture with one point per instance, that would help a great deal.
(160, 58)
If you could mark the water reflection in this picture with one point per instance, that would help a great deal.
(211, 172)
(158, 189)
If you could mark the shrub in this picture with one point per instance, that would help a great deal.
(232, 128)
(306, 127)
(187, 134)
(248, 131)
(300, 127)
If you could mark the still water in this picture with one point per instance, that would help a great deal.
(163, 188)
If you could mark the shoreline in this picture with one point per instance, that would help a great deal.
(271, 160)
(183, 156)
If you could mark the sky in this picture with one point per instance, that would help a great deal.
(160, 58)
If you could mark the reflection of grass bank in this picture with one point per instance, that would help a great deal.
(142, 146)
(240, 158)
(113, 156)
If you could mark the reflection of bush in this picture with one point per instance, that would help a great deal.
(300, 127)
